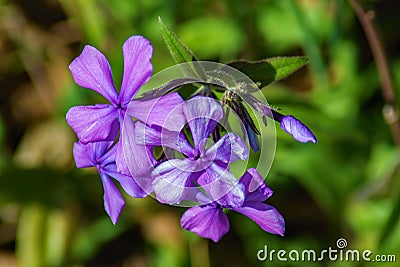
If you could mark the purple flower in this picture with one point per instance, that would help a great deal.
(92, 70)
(102, 122)
(102, 156)
(288, 123)
(175, 179)
(211, 222)
(295, 128)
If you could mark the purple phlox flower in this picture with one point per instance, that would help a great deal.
(174, 180)
(102, 122)
(92, 70)
(288, 123)
(211, 222)
(295, 128)
(102, 156)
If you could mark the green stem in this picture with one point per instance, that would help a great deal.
(30, 240)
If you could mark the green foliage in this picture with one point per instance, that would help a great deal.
(213, 36)
(179, 52)
(270, 70)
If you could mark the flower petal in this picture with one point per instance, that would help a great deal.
(228, 149)
(109, 156)
(83, 155)
(297, 129)
(202, 115)
(93, 123)
(157, 136)
(137, 157)
(165, 111)
(256, 190)
(207, 221)
(266, 216)
(137, 52)
(86, 155)
(222, 186)
(92, 71)
(113, 200)
(127, 182)
(171, 179)
(142, 181)
(122, 166)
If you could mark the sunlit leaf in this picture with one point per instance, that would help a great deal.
(270, 70)
(179, 52)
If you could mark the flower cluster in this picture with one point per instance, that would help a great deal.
(120, 138)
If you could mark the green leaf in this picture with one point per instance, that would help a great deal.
(270, 70)
(180, 52)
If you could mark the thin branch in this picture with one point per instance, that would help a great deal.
(390, 111)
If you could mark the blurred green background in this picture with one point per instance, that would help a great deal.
(346, 186)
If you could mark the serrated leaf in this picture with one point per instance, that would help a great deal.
(179, 52)
(270, 70)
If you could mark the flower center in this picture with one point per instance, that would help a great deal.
(121, 111)
(98, 165)
(197, 156)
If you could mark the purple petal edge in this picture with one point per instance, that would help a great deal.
(92, 71)
(207, 221)
(93, 123)
(297, 129)
(137, 52)
(113, 200)
(266, 216)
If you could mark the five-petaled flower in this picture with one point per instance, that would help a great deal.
(174, 180)
(102, 122)
(211, 222)
(102, 156)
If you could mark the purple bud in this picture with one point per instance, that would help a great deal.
(297, 129)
